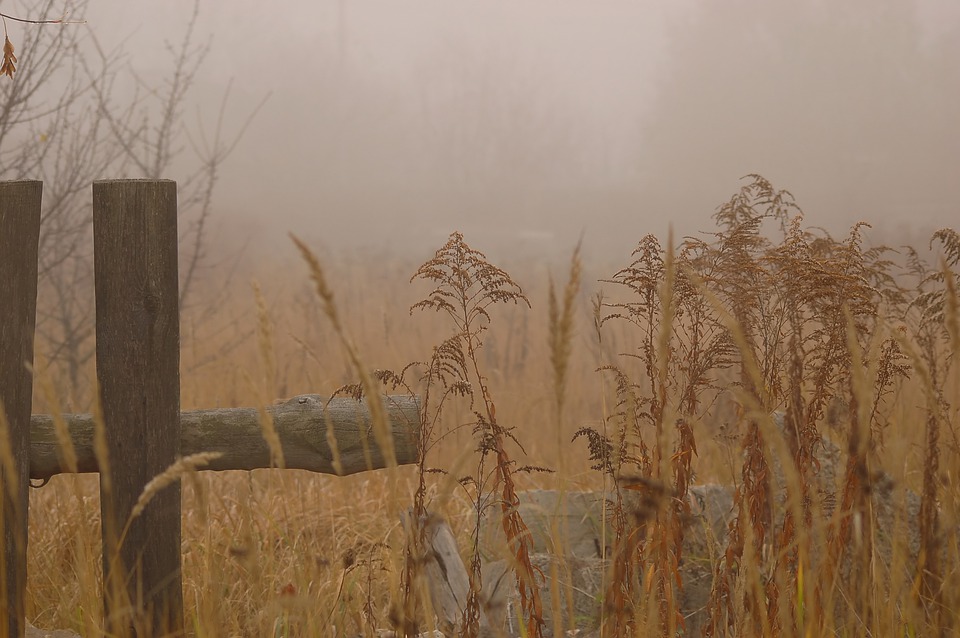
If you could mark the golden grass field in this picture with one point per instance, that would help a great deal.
(777, 317)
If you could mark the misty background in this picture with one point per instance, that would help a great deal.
(524, 124)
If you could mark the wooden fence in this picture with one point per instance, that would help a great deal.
(138, 359)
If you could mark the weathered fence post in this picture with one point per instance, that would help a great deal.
(138, 369)
(305, 426)
(19, 242)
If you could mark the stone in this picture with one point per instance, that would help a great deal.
(33, 632)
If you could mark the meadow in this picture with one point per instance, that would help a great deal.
(733, 358)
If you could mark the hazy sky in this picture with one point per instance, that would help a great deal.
(392, 120)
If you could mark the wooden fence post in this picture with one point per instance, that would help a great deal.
(305, 426)
(19, 242)
(138, 369)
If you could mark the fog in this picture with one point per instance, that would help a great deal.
(525, 124)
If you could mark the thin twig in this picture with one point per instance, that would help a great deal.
(61, 20)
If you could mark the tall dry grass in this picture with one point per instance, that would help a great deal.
(620, 381)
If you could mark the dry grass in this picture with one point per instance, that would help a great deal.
(779, 317)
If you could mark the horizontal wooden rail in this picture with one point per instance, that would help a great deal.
(301, 424)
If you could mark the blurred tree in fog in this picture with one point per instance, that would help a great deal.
(495, 142)
(851, 105)
(74, 113)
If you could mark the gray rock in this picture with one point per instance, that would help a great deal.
(33, 632)
(711, 513)
(576, 560)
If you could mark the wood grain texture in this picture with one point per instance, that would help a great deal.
(19, 242)
(138, 369)
(300, 422)
(444, 574)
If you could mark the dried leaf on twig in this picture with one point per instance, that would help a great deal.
(9, 65)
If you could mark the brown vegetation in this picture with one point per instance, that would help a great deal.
(802, 329)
